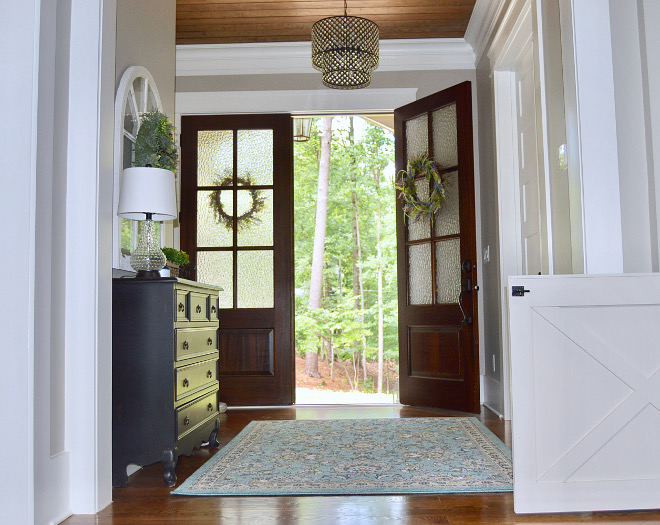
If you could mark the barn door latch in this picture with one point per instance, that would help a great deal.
(518, 291)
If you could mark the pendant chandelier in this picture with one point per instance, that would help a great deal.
(345, 50)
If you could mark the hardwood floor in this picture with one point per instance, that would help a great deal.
(146, 499)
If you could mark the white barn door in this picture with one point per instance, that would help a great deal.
(585, 365)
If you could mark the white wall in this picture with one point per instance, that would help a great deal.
(633, 138)
(19, 40)
(146, 36)
(146, 33)
(651, 52)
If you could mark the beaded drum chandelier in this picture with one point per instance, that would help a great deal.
(345, 50)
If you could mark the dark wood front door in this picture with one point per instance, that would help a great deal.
(236, 226)
(439, 365)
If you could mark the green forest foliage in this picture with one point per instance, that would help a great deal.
(352, 168)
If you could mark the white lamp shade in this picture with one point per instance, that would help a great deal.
(147, 190)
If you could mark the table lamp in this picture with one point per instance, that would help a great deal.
(147, 194)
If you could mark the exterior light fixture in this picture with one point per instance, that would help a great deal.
(302, 128)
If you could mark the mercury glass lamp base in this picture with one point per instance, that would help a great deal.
(148, 258)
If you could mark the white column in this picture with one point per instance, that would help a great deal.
(88, 318)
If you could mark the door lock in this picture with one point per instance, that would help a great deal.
(518, 291)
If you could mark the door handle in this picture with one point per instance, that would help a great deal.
(467, 289)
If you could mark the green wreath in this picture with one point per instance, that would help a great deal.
(414, 207)
(245, 220)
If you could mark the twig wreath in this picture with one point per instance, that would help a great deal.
(414, 207)
(245, 220)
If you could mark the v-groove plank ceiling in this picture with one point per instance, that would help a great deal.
(245, 21)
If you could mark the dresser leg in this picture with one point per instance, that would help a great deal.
(213, 438)
(169, 467)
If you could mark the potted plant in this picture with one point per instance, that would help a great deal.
(154, 144)
(175, 259)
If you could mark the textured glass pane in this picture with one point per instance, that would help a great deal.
(217, 268)
(417, 137)
(138, 89)
(215, 210)
(255, 156)
(255, 281)
(448, 270)
(126, 226)
(419, 274)
(446, 219)
(215, 157)
(127, 153)
(420, 228)
(445, 149)
(130, 115)
(255, 217)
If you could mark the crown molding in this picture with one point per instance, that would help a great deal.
(482, 24)
(315, 101)
(295, 57)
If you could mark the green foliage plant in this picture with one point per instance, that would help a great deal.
(176, 256)
(154, 145)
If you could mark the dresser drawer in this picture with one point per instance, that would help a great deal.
(192, 378)
(199, 306)
(190, 416)
(214, 307)
(195, 341)
(181, 305)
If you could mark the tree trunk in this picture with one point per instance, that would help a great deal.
(312, 364)
(316, 281)
(358, 282)
(380, 282)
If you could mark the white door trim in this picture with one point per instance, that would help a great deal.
(510, 249)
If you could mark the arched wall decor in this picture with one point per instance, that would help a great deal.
(137, 93)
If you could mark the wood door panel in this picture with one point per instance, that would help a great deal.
(234, 360)
(437, 344)
(434, 352)
(255, 340)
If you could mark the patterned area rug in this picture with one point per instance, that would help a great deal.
(356, 456)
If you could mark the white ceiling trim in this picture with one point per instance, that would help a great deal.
(293, 101)
(482, 24)
(295, 57)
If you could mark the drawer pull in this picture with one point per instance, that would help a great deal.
(186, 383)
(210, 407)
(209, 341)
(209, 374)
(185, 345)
(212, 309)
(186, 421)
(182, 307)
(198, 309)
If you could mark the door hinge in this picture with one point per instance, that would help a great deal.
(518, 291)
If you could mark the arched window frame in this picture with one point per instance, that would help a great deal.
(137, 93)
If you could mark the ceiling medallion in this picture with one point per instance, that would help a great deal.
(345, 50)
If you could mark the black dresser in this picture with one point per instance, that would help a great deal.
(164, 372)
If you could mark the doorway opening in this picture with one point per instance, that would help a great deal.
(346, 312)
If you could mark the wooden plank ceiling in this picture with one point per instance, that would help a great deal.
(242, 21)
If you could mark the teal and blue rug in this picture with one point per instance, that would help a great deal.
(356, 456)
